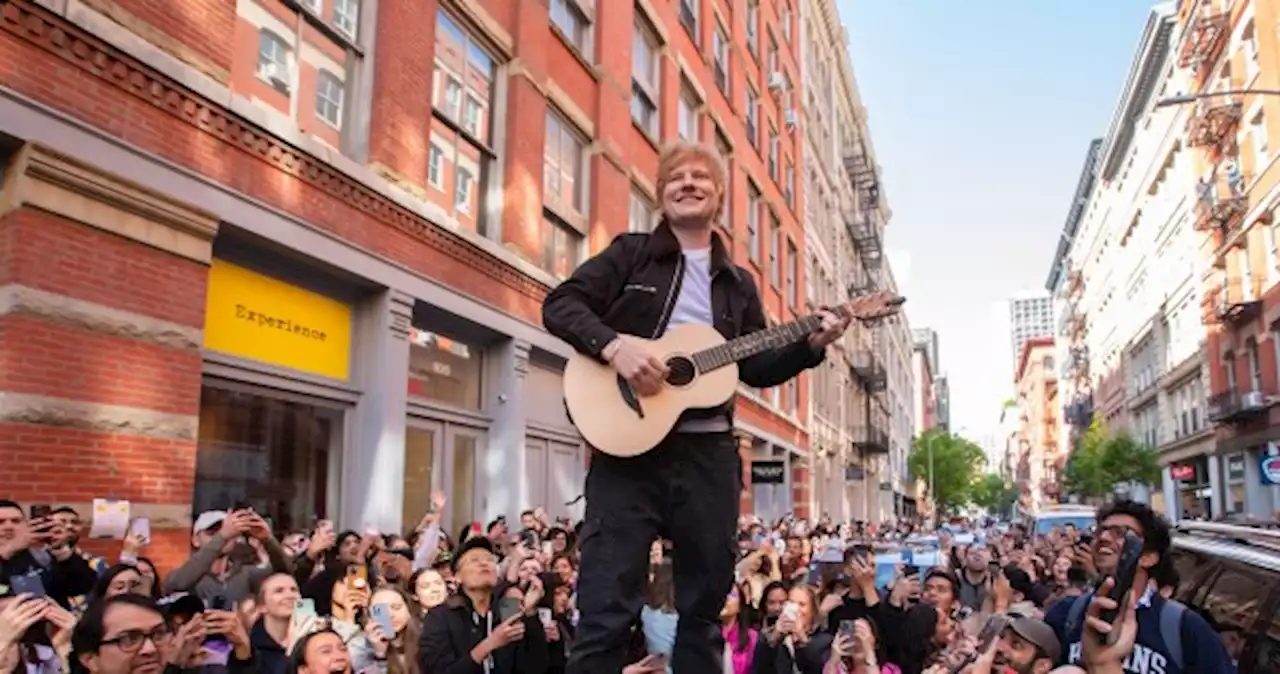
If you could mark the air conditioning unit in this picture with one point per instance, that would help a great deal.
(792, 117)
(777, 82)
(1252, 400)
(275, 73)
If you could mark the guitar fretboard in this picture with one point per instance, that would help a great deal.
(757, 342)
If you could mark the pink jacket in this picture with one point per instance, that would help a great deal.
(741, 660)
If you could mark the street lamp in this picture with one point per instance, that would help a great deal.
(1182, 99)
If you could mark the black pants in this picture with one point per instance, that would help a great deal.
(686, 489)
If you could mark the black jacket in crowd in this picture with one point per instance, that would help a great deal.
(631, 288)
(451, 630)
(61, 580)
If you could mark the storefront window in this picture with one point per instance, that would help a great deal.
(1194, 491)
(419, 471)
(1233, 471)
(444, 370)
(273, 454)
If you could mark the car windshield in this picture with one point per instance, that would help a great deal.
(1082, 521)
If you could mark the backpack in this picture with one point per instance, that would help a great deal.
(1170, 624)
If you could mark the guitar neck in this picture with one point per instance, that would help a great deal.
(759, 341)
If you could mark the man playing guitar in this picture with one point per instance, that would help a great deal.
(686, 489)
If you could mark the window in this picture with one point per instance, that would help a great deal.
(1261, 147)
(1249, 41)
(793, 271)
(644, 77)
(435, 166)
(1255, 365)
(774, 145)
(789, 183)
(346, 16)
(726, 212)
(721, 48)
(775, 249)
(273, 61)
(753, 222)
(462, 191)
(464, 87)
(573, 19)
(445, 370)
(753, 116)
(314, 6)
(785, 19)
(688, 112)
(689, 19)
(275, 454)
(753, 27)
(564, 184)
(772, 56)
(329, 98)
(641, 213)
(563, 248)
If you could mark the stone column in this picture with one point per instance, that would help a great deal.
(504, 480)
(1172, 504)
(1215, 486)
(372, 492)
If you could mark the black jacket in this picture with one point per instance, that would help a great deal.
(61, 580)
(631, 288)
(452, 629)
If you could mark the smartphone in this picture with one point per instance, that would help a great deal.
(547, 549)
(41, 511)
(381, 614)
(791, 610)
(507, 607)
(357, 577)
(219, 602)
(29, 583)
(141, 527)
(910, 570)
(241, 505)
(544, 616)
(991, 630)
(1086, 539)
(304, 608)
(529, 539)
(1126, 568)
(846, 629)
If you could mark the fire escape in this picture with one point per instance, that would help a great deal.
(1206, 35)
(1078, 412)
(863, 225)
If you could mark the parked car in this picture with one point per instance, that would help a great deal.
(1231, 575)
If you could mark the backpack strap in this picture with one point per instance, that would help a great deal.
(1075, 617)
(1171, 630)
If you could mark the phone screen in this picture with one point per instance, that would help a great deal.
(846, 629)
(40, 511)
(507, 607)
(27, 584)
(141, 527)
(1126, 569)
(382, 614)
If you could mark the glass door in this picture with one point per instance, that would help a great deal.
(462, 472)
(423, 441)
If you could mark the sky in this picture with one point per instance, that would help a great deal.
(980, 113)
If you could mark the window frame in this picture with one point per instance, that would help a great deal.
(354, 17)
(266, 36)
(775, 250)
(642, 201)
(752, 21)
(322, 77)
(688, 14)
(689, 110)
(755, 198)
(722, 58)
(583, 11)
(575, 214)
(649, 94)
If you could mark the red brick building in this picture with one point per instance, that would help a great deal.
(293, 251)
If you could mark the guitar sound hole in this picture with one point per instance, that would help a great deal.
(681, 371)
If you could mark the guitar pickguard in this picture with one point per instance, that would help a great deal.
(629, 396)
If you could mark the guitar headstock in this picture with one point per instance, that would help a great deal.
(871, 307)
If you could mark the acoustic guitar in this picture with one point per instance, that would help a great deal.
(702, 373)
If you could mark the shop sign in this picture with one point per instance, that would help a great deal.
(768, 472)
(1183, 472)
(854, 473)
(254, 316)
(1270, 469)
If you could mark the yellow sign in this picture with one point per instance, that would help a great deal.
(255, 316)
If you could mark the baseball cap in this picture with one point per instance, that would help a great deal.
(1039, 633)
(207, 520)
(473, 543)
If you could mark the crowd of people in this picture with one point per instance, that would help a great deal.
(500, 599)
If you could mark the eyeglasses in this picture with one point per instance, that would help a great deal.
(131, 641)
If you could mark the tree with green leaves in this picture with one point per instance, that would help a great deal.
(956, 463)
(990, 493)
(1102, 460)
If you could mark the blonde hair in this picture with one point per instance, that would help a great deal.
(682, 152)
